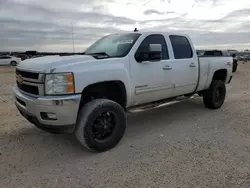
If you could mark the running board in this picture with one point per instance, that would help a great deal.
(158, 104)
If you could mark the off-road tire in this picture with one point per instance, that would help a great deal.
(86, 116)
(209, 96)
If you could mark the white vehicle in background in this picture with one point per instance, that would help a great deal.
(9, 60)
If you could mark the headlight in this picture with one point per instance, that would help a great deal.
(59, 83)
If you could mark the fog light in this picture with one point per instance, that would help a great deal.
(48, 116)
(51, 116)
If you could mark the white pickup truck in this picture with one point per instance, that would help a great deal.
(89, 94)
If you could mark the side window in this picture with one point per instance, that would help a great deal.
(181, 47)
(5, 57)
(218, 53)
(225, 53)
(154, 39)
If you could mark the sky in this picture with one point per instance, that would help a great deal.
(47, 25)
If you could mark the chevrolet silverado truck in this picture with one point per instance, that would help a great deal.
(88, 95)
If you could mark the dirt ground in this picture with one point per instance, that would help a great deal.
(180, 146)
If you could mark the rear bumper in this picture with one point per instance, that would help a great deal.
(36, 110)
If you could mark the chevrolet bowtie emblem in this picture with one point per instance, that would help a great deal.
(19, 79)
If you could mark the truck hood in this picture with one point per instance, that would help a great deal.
(48, 63)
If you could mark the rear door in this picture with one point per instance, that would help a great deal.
(184, 65)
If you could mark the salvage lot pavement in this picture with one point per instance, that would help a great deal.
(184, 145)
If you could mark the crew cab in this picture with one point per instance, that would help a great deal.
(89, 94)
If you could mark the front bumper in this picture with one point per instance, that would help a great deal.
(35, 109)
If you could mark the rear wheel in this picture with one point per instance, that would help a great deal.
(101, 124)
(214, 97)
(13, 63)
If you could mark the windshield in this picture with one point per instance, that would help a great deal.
(116, 45)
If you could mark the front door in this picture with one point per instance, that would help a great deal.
(151, 81)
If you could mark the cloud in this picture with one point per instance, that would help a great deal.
(46, 25)
(151, 11)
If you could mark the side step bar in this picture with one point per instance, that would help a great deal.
(158, 104)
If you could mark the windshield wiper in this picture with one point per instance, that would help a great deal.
(99, 54)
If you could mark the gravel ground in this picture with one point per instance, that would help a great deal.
(180, 146)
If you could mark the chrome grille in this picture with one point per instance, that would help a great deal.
(25, 74)
(30, 82)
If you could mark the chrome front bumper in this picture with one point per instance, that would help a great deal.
(35, 109)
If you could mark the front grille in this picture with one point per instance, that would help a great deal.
(30, 82)
(25, 74)
(28, 88)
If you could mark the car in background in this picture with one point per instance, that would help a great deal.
(241, 58)
(248, 57)
(9, 60)
(22, 56)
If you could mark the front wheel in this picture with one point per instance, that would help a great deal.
(214, 97)
(100, 125)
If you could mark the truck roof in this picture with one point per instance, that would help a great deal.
(156, 32)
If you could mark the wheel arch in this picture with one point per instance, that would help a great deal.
(220, 74)
(114, 90)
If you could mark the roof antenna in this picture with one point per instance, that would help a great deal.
(73, 40)
(136, 30)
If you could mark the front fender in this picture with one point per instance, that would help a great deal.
(112, 71)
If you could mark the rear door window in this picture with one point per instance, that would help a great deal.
(181, 47)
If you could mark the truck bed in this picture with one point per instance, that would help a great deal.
(208, 65)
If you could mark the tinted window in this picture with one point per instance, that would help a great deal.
(213, 53)
(217, 53)
(181, 47)
(154, 39)
(5, 57)
(209, 53)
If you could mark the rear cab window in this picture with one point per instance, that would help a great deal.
(181, 47)
(213, 53)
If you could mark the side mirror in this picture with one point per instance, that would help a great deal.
(153, 53)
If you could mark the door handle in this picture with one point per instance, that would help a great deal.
(192, 65)
(229, 63)
(167, 67)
